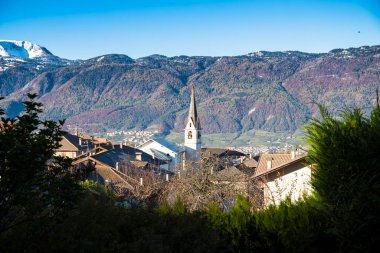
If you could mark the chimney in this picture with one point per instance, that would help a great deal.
(167, 177)
(241, 159)
(117, 166)
(139, 156)
(141, 181)
(269, 163)
(293, 154)
(80, 141)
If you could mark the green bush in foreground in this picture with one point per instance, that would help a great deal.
(345, 151)
(293, 227)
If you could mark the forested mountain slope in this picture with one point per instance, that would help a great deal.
(272, 91)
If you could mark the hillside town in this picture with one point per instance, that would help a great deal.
(265, 175)
(198, 126)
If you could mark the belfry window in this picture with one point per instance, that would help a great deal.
(190, 124)
(189, 135)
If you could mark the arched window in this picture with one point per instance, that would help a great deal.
(190, 124)
(189, 135)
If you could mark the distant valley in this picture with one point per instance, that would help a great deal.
(241, 96)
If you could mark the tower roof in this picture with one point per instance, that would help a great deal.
(193, 114)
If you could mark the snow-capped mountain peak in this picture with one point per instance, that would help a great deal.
(22, 49)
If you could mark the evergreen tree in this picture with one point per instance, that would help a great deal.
(34, 184)
(345, 152)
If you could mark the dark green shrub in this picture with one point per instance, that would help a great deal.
(293, 227)
(237, 224)
(345, 151)
(35, 186)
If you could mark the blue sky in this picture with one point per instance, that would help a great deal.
(82, 29)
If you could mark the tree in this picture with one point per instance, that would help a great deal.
(147, 184)
(204, 183)
(34, 184)
(345, 151)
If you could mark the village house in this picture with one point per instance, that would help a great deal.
(249, 163)
(273, 176)
(120, 166)
(222, 157)
(279, 176)
(235, 177)
(165, 151)
(73, 146)
(222, 153)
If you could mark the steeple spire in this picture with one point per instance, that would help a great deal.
(193, 114)
(193, 141)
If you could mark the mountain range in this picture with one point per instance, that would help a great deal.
(270, 91)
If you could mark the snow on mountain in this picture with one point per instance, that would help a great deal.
(22, 49)
(29, 56)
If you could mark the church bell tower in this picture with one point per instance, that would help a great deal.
(193, 132)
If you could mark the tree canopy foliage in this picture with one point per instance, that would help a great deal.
(34, 184)
(345, 150)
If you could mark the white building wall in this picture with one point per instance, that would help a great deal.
(282, 184)
(155, 145)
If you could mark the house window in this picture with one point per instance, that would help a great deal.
(190, 124)
(189, 135)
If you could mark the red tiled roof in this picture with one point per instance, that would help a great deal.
(278, 161)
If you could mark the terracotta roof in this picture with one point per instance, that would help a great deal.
(101, 141)
(278, 161)
(139, 164)
(221, 152)
(85, 136)
(231, 173)
(71, 143)
(251, 163)
(108, 174)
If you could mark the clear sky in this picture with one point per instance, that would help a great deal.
(81, 29)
